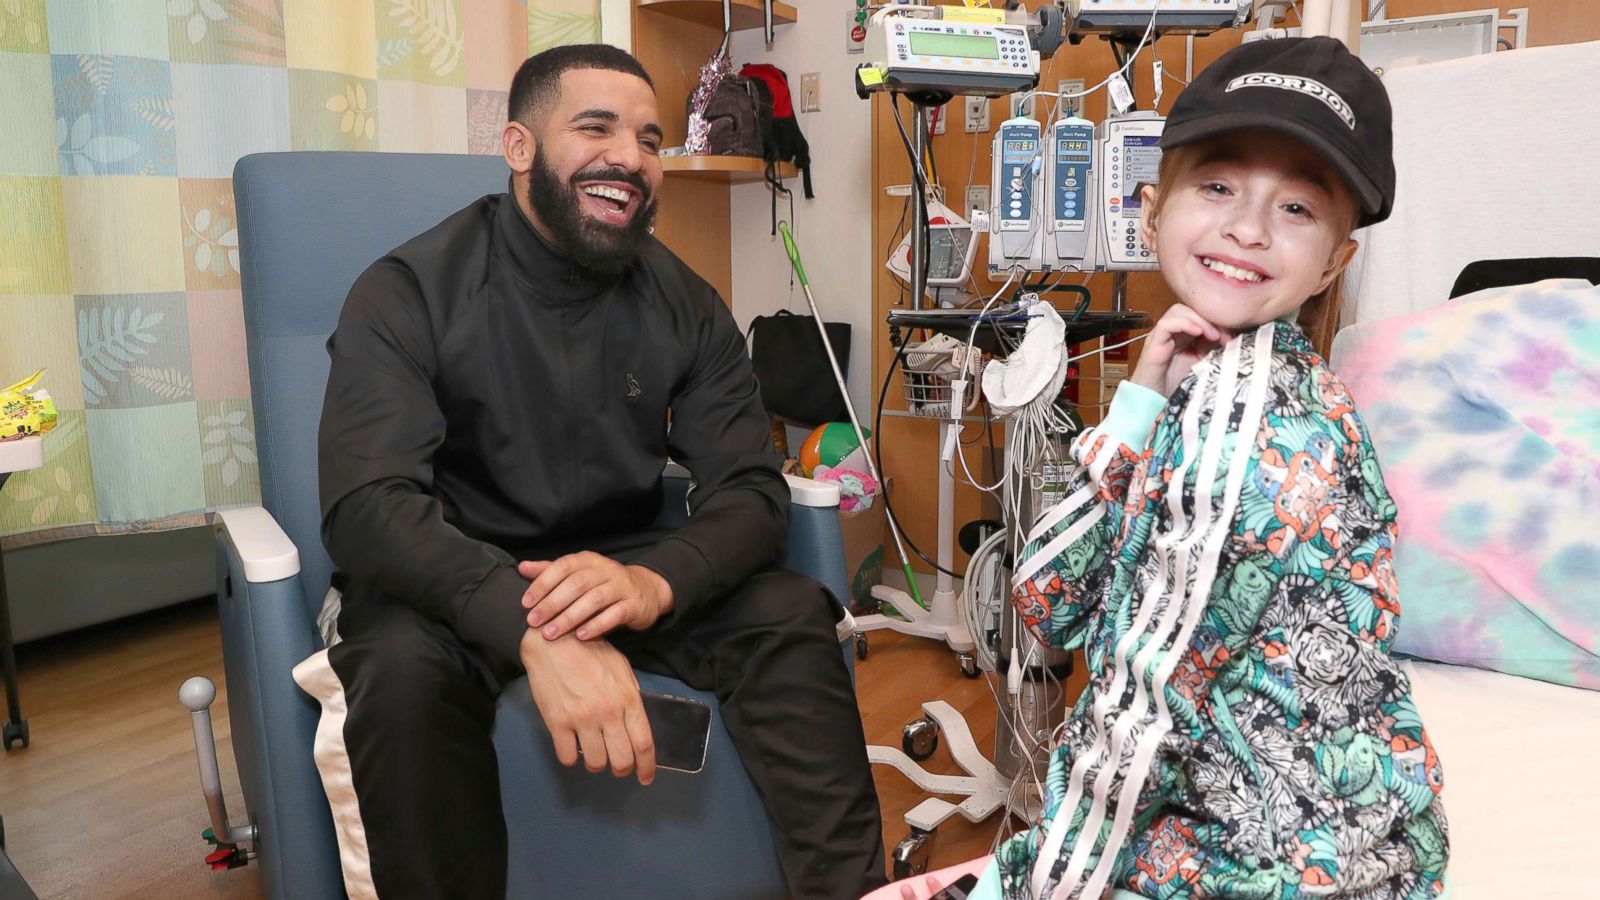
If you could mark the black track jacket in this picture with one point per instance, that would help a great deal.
(488, 404)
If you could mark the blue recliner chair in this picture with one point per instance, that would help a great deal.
(309, 223)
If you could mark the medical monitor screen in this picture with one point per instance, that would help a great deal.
(947, 251)
(969, 46)
(1141, 166)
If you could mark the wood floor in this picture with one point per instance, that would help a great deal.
(106, 804)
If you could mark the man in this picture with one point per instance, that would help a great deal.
(491, 449)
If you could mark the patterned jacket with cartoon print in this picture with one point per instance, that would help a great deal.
(1245, 732)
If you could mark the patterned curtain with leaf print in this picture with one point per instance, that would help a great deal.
(120, 123)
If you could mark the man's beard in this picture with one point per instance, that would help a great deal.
(602, 251)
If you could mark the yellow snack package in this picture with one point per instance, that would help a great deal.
(26, 410)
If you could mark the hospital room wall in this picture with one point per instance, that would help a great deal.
(833, 230)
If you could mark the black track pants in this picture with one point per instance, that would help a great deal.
(418, 708)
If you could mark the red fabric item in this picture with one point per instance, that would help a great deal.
(777, 83)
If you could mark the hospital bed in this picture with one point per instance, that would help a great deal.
(1495, 156)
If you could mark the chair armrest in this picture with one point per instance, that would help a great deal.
(264, 551)
(802, 491)
(816, 548)
(811, 492)
(268, 626)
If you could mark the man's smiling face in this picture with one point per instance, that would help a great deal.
(596, 168)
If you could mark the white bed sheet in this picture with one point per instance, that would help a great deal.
(1521, 781)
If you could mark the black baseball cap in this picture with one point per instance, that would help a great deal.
(1313, 89)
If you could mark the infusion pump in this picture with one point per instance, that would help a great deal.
(1172, 16)
(946, 48)
(1131, 150)
(1068, 198)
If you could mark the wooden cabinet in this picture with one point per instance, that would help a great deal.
(746, 13)
(673, 39)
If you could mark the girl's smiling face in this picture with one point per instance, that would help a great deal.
(1248, 226)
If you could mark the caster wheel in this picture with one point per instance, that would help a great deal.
(919, 739)
(911, 854)
(14, 731)
(969, 665)
(861, 646)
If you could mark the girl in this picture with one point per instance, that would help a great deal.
(1224, 558)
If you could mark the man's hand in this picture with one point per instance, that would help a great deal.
(1179, 340)
(589, 699)
(593, 594)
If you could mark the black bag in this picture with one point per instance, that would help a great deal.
(792, 368)
(784, 142)
(734, 118)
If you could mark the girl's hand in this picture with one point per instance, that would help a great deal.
(1177, 342)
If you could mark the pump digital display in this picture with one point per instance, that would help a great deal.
(970, 46)
(1141, 166)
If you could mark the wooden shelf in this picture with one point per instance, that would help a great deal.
(725, 169)
(746, 13)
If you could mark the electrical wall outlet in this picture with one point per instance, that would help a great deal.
(1020, 107)
(1111, 375)
(1070, 106)
(977, 198)
(940, 113)
(977, 115)
(811, 92)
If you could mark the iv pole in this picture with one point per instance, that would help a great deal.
(941, 621)
(982, 788)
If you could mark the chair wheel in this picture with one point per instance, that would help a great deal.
(920, 738)
(861, 646)
(911, 854)
(14, 731)
(969, 665)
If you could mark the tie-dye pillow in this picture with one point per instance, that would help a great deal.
(1485, 412)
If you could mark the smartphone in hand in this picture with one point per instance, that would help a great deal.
(959, 889)
(680, 728)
